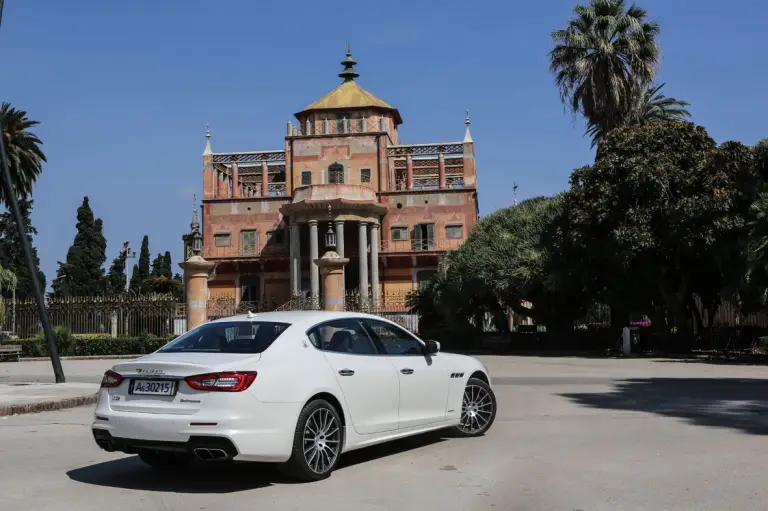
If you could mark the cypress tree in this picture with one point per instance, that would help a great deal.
(157, 266)
(167, 265)
(116, 277)
(135, 284)
(83, 274)
(144, 260)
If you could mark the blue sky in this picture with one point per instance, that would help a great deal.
(124, 90)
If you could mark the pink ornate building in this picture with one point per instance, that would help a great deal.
(396, 208)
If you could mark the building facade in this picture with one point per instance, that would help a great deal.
(396, 209)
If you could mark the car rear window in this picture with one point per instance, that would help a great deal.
(228, 337)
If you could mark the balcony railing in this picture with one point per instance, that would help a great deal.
(420, 245)
(232, 252)
(338, 127)
(276, 189)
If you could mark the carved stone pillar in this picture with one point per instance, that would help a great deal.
(375, 264)
(314, 271)
(196, 271)
(363, 256)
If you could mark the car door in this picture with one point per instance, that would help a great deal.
(424, 381)
(369, 383)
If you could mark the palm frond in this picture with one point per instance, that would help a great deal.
(25, 157)
(598, 58)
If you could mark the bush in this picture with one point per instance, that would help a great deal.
(91, 346)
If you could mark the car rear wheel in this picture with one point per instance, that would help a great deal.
(478, 409)
(164, 460)
(316, 444)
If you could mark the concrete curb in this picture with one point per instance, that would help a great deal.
(47, 406)
(89, 357)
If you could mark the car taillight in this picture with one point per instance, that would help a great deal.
(110, 380)
(232, 381)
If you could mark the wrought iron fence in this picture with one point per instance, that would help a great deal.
(118, 315)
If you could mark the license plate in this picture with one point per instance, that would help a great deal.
(152, 387)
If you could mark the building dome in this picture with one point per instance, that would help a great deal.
(349, 95)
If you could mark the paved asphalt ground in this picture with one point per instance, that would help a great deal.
(571, 434)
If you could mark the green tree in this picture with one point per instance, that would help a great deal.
(83, 274)
(12, 255)
(511, 260)
(167, 265)
(25, 158)
(136, 280)
(157, 266)
(8, 282)
(659, 218)
(753, 293)
(143, 271)
(116, 276)
(606, 55)
(648, 106)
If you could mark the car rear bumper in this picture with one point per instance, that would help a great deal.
(257, 432)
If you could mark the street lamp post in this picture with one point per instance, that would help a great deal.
(126, 253)
(13, 203)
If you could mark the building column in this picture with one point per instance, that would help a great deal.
(235, 180)
(340, 251)
(409, 172)
(363, 250)
(332, 267)
(196, 271)
(295, 249)
(441, 169)
(375, 264)
(314, 271)
(220, 177)
(264, 179)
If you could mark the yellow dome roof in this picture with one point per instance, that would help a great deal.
(350, 95)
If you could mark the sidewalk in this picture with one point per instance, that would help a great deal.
(17, 398)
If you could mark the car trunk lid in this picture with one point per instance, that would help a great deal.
(155, 383)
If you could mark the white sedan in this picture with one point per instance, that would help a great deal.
(295, 388)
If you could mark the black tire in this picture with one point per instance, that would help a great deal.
(327, 448)
(478, 397)
(164, 460)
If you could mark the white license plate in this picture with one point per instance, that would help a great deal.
(153, 387)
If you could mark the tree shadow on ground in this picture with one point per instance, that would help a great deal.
(740, 404)
(214, 477)
(733, 360)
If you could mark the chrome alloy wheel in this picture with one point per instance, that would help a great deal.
(476, 409)
(322, 440)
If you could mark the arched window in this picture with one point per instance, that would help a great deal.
(335, 173)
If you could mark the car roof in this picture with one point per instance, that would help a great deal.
(301, 319)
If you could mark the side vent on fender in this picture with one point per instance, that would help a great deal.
(457, 375)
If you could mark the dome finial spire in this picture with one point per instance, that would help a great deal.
(195, 223)
(349, 74)
(207, 150)
(467, 134)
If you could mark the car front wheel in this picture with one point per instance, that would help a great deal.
(316, 444)
(478, 409)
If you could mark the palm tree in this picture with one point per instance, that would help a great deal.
(604, 54)
(25, 157)
(649, 105)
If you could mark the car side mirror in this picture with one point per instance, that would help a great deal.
(431, 347)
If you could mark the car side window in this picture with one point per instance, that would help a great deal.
(393, 339)
(343, 336)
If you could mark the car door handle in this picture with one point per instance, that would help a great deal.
(406, 371)
(346, 372)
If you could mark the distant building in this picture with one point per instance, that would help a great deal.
(396, 208)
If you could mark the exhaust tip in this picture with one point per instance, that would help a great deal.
(218, 454)
(203, 454)
(206, 454)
